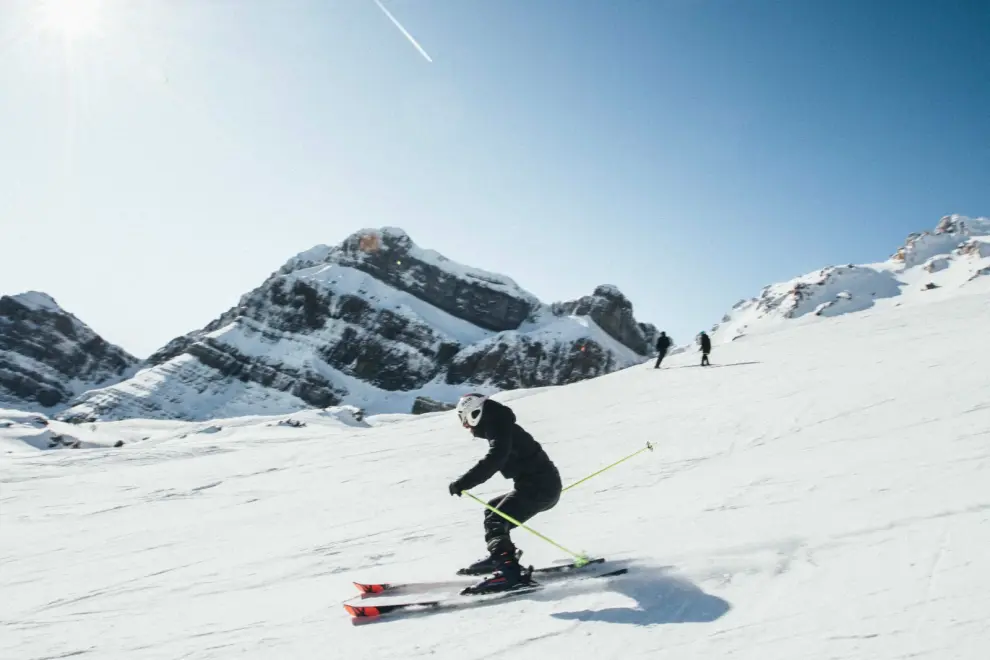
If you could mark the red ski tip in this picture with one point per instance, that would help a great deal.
(360, 612)
(370, 588)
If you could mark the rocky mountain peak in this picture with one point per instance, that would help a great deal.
(48, 356)
(378, 322)
(950, 232)
(613, 312)
(488, 300)
(961, 224)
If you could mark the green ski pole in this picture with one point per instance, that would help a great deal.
(609, 467)
(579, 559)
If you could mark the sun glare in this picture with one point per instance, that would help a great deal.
(72, 19)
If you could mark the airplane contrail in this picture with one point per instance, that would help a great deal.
(403, 30)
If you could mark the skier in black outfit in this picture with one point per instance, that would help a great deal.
(706, 348)
(513, 452)
(663, 343)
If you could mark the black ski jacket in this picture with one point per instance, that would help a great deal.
(512, 451)
(706, 344)
(663, 343)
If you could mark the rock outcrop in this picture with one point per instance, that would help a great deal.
(48, 356)
(613, 313)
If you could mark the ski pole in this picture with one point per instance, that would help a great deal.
(609, 467)
(580, 560)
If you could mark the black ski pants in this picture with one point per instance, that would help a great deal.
(660, 358)
(530, 496)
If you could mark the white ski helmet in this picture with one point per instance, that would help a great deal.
(469, 409)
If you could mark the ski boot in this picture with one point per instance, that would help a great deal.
(509, 576)
(485, 566)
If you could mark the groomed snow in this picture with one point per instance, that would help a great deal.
(820, 492)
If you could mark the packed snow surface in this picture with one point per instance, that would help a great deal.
(821, 491)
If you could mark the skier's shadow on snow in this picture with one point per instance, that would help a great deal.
(713, 365)
(661, 598)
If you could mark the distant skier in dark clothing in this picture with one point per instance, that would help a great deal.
(513, 452)
(663, 343)
(706, 348)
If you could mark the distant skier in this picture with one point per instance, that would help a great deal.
(663, 343)
(706, 348)
(513, 452)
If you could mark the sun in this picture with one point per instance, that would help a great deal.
(73, 19)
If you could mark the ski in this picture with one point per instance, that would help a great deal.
(373, 612)
(370, 590)
(368, 613)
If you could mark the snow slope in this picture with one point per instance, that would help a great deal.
(954, 254)
(820, 492)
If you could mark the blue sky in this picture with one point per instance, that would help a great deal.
(162, 157)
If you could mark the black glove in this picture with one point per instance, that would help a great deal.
(455, 488)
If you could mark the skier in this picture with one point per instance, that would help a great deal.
(706, 348)
(663, 343)
(536, 487)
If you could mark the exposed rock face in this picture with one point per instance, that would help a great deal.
(523, 362)
(613, 313)
(486, 300)
(48, 356)
(376, 322)
(424, 404)
(974, 248)
(951, 232)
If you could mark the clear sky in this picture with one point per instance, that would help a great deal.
(159, 158)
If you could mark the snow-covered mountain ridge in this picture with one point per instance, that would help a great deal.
(376, 322)
(953, 254)
(48, 356)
